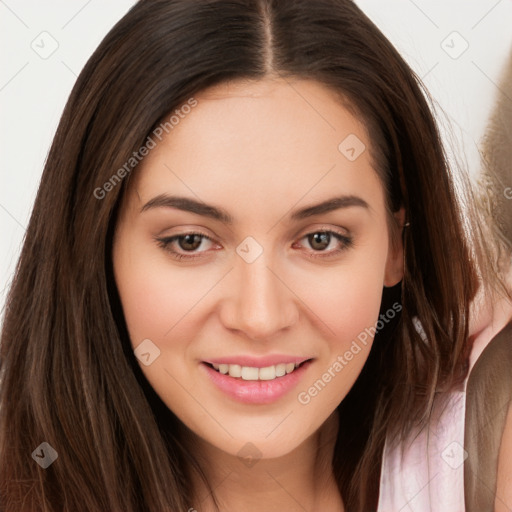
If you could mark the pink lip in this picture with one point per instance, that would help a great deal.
(256, 391)
(258, 362)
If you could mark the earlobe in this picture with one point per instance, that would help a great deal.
(395, 262)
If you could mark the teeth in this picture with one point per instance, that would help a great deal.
(267, 373)
(280, 370)
(252, 373)
(235, 370)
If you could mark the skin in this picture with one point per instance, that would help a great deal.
(259, 150)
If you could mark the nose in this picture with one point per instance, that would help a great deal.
(260, 303)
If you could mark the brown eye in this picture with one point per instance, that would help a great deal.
(320, 240)
(179, 245)
(189, 242)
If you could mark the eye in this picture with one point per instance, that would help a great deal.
(186, 242)
(319, 241)
(179, 245)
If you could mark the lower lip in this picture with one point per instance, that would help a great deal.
(256, 391)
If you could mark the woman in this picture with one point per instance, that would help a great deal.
(248, 370)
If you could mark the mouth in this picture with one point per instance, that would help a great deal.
(253, 373)
(256, 385)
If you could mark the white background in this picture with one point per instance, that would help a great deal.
(33, 90)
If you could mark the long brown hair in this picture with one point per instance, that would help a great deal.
(69, 376)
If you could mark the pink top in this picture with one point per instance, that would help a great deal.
(430, 477)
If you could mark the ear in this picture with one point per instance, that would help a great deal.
(395, 262)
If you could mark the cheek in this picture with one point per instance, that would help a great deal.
(347, 297)
(353, 303)
(154, 299)
(158, 303)
(346, 301)
(350, 307)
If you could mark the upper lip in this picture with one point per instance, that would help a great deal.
(258, 362)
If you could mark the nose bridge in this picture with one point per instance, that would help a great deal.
(262, 304)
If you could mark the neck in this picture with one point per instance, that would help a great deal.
(301, 480)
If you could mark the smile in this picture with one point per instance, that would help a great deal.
(256, 385)
(254, 373)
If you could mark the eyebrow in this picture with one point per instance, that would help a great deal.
(191, 205)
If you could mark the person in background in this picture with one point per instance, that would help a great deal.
(488, 429)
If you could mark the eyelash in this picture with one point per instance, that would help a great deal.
(165, 243)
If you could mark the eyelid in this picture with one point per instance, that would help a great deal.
(321, 228)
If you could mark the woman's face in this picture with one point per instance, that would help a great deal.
(276, 253)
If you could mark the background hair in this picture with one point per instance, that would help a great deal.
(489, 386)
(496, 179)
(69, 376)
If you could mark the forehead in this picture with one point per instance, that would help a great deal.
(257, 142)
